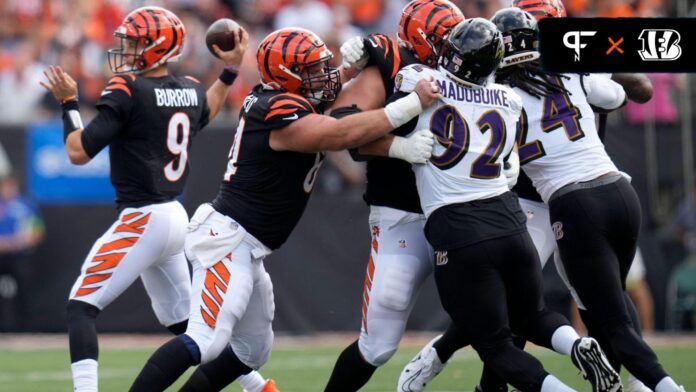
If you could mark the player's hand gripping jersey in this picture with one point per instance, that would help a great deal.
(148, 125)
(558, 140)
(474, 130)
(265, 190)
(390, 182)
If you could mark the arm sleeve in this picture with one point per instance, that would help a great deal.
(384, 54)
(602, 92)
(101, 131)
(118, 95)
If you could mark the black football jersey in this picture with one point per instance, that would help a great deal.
(390, 182)
(264, 190)
(149, 152)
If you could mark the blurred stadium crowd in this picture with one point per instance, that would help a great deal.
(75, 34)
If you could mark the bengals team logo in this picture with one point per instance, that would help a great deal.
(441, 257)
(660, 45)
(557, 228)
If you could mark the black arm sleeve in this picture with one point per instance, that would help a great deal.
(101, 131)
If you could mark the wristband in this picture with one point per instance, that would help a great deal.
(228, 75)
(72, 121)
(403, 110)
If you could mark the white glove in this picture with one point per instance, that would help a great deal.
(354, 56)
(511, 169)
(415, 148)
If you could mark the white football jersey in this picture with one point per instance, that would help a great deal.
(558, 140)
(474, 131)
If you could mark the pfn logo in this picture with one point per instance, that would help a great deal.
(576, 43)
(660, 45)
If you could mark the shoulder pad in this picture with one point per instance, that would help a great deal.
(408, 77)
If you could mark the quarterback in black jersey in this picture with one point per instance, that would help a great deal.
(277, 150)
(147, 117)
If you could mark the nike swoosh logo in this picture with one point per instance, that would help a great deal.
(293, 117)
(374, 44)
(105, 92)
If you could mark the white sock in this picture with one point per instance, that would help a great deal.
(552, 384)
(252, 381)
(563, 339)
(633, 382)
(667, 385)
(84, 374)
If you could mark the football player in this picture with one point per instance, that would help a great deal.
(487, 270)
(519, 30)
(400, 257)
(572, 172)
(540, 92)
(147, 117)
(273, 163)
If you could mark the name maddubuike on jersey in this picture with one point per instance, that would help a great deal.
(457, 92)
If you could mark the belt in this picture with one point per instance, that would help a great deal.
(604, 179)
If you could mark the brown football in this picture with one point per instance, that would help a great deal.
(221, 33)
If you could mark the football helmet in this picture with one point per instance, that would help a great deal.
(424, 25)
(472, 52)
(519, 35)
(150, 37)
(297, 61)
(541, 9)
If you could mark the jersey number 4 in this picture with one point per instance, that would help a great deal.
(559, 112)
(452, 132)
(178, 145)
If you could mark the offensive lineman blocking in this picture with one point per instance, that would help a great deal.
(271, 170)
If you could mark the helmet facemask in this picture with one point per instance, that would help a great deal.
(320, 81)
(127, 58)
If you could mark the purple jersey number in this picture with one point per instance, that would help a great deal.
(485, 166)
(452, 132)
(558, 112)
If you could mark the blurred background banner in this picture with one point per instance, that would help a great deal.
(53, 179)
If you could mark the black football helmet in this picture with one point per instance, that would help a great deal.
(472, 52)
(519, 29)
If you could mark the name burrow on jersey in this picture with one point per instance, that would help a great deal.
(176, 97)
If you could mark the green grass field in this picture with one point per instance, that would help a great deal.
(296, 369)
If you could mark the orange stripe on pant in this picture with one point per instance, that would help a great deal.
(367, 286)
(104, 260)
(216, 280)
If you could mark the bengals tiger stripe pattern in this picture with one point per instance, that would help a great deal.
(369, 276)
(541, 9)
(215, 286)
(425, 23)
(287, 104)
(110, 254)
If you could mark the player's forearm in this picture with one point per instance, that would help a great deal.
(638, 87)
(217, 93)
(379, 147)
(72, 133)
(74, 148)
(356, 130)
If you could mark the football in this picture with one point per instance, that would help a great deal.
(222, 33)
